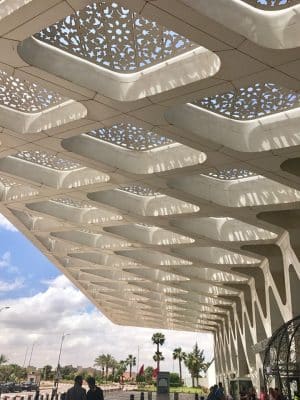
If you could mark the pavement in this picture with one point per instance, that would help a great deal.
(112, 392)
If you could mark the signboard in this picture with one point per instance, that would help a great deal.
(163, 382)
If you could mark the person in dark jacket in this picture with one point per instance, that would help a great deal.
(95, 392)
(76, 392)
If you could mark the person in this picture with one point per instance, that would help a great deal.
(220, 392)
(263, 394)
(211, 395)
(230, 396)
(77, 392)
(278, 394)
(95, 392)
(243, 394)
(272, 394)
(252, 394)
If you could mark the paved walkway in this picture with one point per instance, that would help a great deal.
(111, 393)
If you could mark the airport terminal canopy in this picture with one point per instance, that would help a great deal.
(151, 150)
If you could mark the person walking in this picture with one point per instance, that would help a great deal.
(77, 392)
(94, 392)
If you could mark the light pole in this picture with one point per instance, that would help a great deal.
(32, 347)
(25, 357)
(58, 361)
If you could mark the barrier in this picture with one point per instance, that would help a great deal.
(58, 396)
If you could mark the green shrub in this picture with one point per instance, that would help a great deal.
(174, 378)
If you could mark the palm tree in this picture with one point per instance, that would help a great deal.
(158, 357)
(158, 339)
(109, 359)
(179, 355)
(3, 359)
(100, 361)
(131, 361)
(114, 367)
(121, 368)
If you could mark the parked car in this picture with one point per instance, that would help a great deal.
(29, 386)
(12, 387)
(8, 387)
(16, 387)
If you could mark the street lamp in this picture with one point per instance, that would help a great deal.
(4, 308)
(32, 347)
(58, 361)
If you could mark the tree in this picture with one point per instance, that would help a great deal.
(148, 374)
(179, 355)
(47, 373)
(175, 379)
(12, 373)
(158, 357)
(189, 362)
(114, 367)
(100, 361)
(68, 372)
(105, 362)
(158, 339)
(3, 359)
(195, 362)
(131, 361)
(121, 368)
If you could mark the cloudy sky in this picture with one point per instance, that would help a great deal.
(44, 304)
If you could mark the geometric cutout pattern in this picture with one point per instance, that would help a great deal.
(7, 182)
(131, 137)
(140, 190)
(271, 4)
(159, 289)
(25, 96)
(251, 102)
(110, 35)
(67, 201)
(230, 174)
(48, 160)
(146, 225)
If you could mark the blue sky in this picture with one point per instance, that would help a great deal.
(26, 263)
(44, 304)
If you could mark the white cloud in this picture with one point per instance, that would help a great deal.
(5, 286)
(5, 260)
(5, 263)
(9, 285)
(43, 318)
(6, 225)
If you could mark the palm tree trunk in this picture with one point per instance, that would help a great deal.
(130, 369)
(180, 371)
(197, 380)
(157, 362)
(193, 381)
